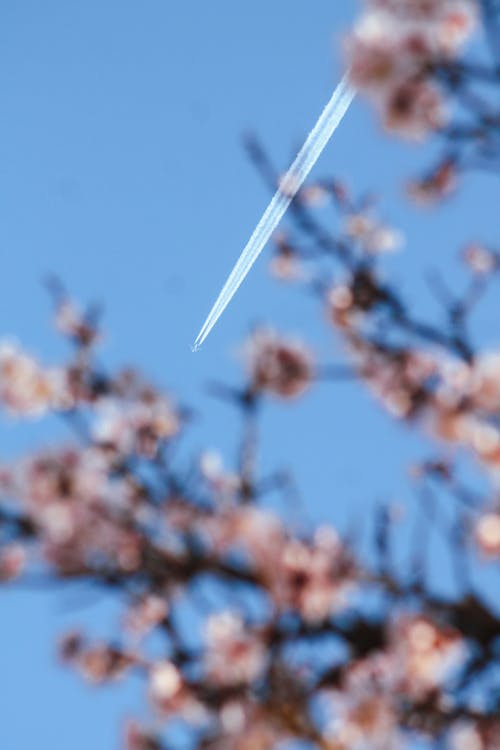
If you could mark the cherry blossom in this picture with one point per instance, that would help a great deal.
(234, 654)
(27, 389)
(282, 368)
(392, 52)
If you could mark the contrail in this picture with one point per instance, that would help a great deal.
(316, 141)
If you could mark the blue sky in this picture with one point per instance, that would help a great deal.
(122, 170)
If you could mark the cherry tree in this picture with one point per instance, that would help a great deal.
(302, 638)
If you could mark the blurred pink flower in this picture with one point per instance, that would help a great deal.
(283, 368)
(413, 108)
(234, 654)
(101, 663)
(136, 426)
(480, 259)
(425, 653)
(373, 237)
(392, 50)
(314, 578)
(435, 186)
(487, 534)
(467, 735)
(145, 614)
(26, 389)
(362, 712)
(12, 561)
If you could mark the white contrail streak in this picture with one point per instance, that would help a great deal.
(316, 141)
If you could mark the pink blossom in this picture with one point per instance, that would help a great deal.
(285, 264)
(234, 653)
(437, 15)
(166, 687)
(467, 735)
(391, 53)
(136, 426)
(77, 508)
(12, 561)
(425, 653)
(398, 379)
(25, 388)
(71, 323)
(245, 726)
(381, 55)
(435, 186)
(373, 237)
(313, 578)
(146, 614)
(487, 534)
(480, 259)
(363, 713)
(280, 367)
(170, 695)
(341, 305)
(413, 108)
(102, 663)
(484, 381)
(224, 484)
(137, 738)
(255, 530)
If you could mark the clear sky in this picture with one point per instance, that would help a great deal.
(122, 170)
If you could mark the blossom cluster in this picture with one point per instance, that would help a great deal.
(115, 510)
(456, 397)
(393, 51)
